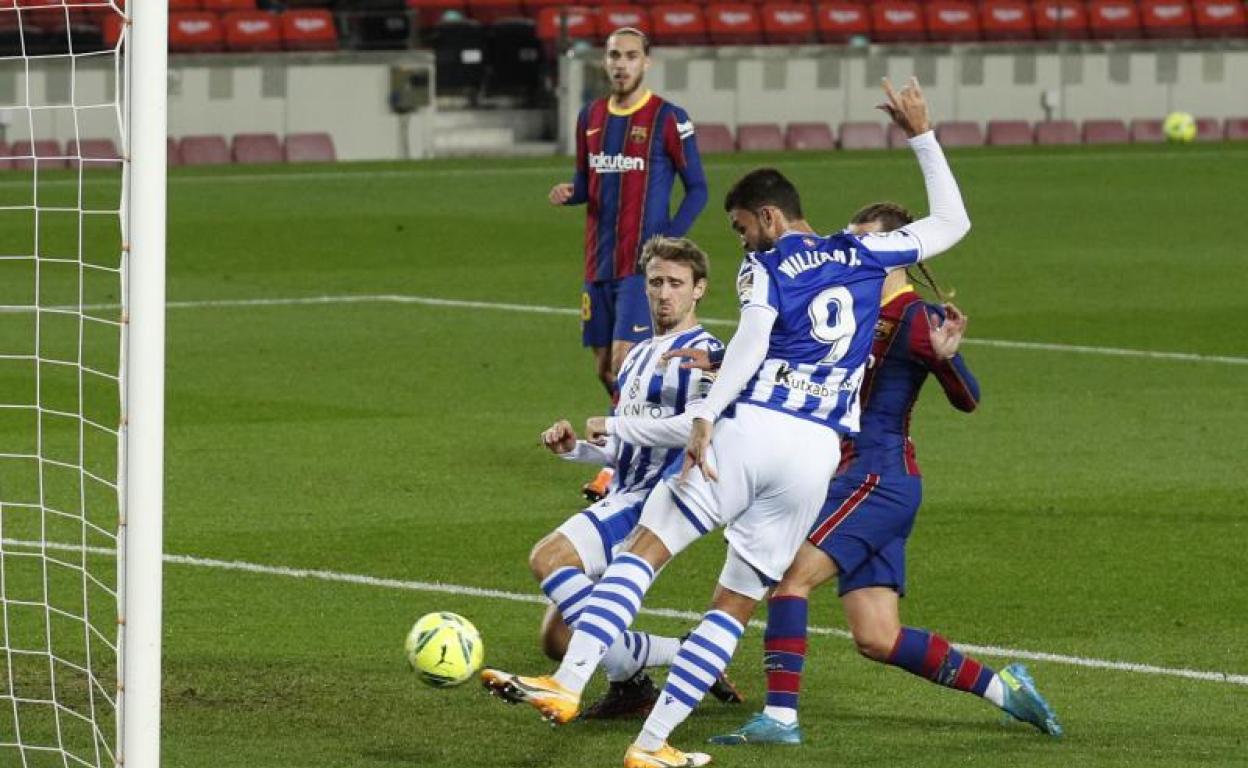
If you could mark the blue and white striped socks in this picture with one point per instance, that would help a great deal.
(568, 588)
(702, 658)
(608, 612)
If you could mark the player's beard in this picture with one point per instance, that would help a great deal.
(622, 92)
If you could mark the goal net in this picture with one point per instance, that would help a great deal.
(66, 179)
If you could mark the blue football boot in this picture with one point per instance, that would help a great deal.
(761, 729)
(1025, 703)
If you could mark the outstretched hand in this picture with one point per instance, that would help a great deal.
(697, 358)
(907, 107)
(947, 336)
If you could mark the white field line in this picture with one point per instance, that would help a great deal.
(1188, 357)
(668, 613)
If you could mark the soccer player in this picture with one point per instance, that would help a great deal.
(641, 443)
(792, 370)
(630, 147)
(861, 532)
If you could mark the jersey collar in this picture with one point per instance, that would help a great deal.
(907, 288)
(622, 112)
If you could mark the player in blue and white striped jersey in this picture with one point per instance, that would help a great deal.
(642, 441)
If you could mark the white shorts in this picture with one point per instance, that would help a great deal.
(598, 531)
(773, 470)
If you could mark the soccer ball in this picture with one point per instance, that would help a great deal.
(1179, 127)
(444, 649)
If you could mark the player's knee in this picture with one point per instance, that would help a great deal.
(544, 558)
(874, 643)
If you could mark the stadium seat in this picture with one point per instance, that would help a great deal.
(612, 17)
(1105, 132)
(1060, 19)
(376, 25)
(185, 5)
(951, 20)
(1051, 132)
(960, 134)
(1113, 19)
(786, 23)
(1208, 129)
(1236, 129)
(1009, 133)
(173, 153)
(678, 24)
(895, 137)
(47, 152)
(205, 150)
(195, 32)
(837, 21)
(430, 12)
(578, 21)
(255, 148)
(1006, 20)
(226, 6)
(94, 149)
(897, 21)
(310, 29)
(1220, 18)
(533, 8)
(489, 11)
(760, 137)
(809, 136)
(110, 29)
(1167, 18)
(714, 138)
(733, 24)
(459, 56)
(513, 58)
(309, 148)
(252, 31)
(862, 136)
(1147, 131)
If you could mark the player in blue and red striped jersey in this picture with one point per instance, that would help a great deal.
(861, 533)
(630, 147)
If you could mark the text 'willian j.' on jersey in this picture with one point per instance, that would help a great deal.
(825, 292)
(626, 165)
(901, 358)
(653, 389)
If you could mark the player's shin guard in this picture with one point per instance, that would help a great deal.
(703, 657)
(929, 655)
(609, 611)
(634, 651)
(784, 655)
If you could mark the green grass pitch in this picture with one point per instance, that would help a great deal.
(1094, 507)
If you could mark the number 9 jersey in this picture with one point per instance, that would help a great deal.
(825, 292)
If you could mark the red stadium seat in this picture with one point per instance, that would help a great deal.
(1167, 18)
(897, 21)
(862, 136)
(786, 23)
(760, 137)
(1009, 133)
(1113, 19)
(111, 24)
(1105, 132)
(46, 152)
(1006, 20)
(185, 5)
(490, 11)
(255, 148)
(836, 21)
(309, 148)
(1237, 129)
(252, 31)
(579, 21)
(226, 6)
(1060, 19)
(714, 138)
(429, 12)
(809, 136)
(612, 17)
(94, 150)
(1220, 18)
(1051, 132)
(205, 150)
(311, 29)
(1144, 131)
(196, 31)
(960, 134)
(173, 153)
(733, 24)
(678, 24)
(951, 20)
(1208, 129)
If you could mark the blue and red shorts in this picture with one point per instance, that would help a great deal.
(864, 525)
(615, 310)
